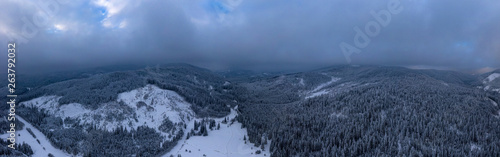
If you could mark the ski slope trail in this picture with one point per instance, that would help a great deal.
(41, 145)
(228, 141)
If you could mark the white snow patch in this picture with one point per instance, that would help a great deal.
(475, 147)
(227, 83)
(318, 92)
(446, 84)
(159, 104)
(337, 115)
(487, 88)
(302, 82)
(334, 79)
(228, 141)
(494, 103)
(52, 106)
(491, 89)
(39, 149)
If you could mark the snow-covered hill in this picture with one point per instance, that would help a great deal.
(149, 106)
(228, 141)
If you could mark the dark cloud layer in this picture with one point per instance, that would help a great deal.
(253, 34)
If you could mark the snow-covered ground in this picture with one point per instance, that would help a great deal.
(226, 142)
(148, 106)
(39, 149)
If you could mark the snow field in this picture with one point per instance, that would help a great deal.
(226, 142)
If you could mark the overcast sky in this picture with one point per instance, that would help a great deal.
(252, 34)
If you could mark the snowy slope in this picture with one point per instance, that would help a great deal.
(148, 106)
(39, 149)
(226, 142)
(492, 77)
(50, 103)
(160, 104)
(318, 92)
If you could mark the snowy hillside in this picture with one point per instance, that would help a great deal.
(318, 91)
(228, 141)
(338, 111)
(149, 106)
(39, 143)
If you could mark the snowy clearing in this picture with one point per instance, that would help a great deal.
(228, 141)
(148, 106)
(52, 106)
(39, 149)
(334, 79)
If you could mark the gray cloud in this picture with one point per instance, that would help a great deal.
(255, 34)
